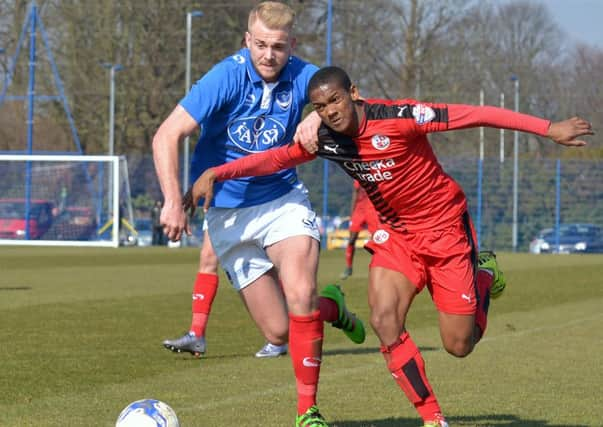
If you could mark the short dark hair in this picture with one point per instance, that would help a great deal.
(327, 75)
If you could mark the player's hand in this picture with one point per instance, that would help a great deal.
(202, 188)
(307, 132)
(568, 131)
(174, 221)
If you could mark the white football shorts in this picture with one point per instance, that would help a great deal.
(240, 235)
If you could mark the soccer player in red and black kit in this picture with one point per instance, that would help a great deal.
(363, 215)
(425, 236)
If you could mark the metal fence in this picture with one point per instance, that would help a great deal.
(548, 191)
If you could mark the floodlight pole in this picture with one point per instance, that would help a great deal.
(325, 163)
(113, 68)
(480, 176)
(186, 148)
(32, 80)
(187, 88)
(502, 131)
(515, 79)
(2, 51)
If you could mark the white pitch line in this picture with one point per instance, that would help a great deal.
(228, 402)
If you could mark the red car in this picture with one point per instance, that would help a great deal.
(13, 222)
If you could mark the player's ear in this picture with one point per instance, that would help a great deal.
(293, 43)
(247, 39)
(354, 93)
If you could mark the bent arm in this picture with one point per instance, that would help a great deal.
(264, 163)
(175, 127)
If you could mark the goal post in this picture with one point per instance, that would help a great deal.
(63, 200)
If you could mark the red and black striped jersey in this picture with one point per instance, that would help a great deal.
(392, 158)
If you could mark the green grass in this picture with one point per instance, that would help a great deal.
(81, 332)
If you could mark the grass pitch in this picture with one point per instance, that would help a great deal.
(81, 332)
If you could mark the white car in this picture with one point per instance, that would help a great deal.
(539, 244)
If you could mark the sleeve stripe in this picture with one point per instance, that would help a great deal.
(402, 111)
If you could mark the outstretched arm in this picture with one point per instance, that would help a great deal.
(565, 132)
(264, 163)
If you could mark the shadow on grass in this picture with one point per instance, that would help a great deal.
(504, 420)
(335, 352)
(15, 288)
(365, 350)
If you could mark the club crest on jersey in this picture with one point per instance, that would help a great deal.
(255, 134)
(423, 114)
(239, 59)
(380, 236)
(283, 99)
(380, 142)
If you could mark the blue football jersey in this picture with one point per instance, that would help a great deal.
(240, 114)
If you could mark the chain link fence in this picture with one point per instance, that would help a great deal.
(580, 193)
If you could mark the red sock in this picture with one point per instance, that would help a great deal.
(406, 364)
(204, 292)
(305, 348)
(349, 255)
(484, 282)
(329, 310)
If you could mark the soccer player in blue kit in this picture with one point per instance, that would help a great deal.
(262, 229)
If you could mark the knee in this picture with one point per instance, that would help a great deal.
(382, 319)
(458, 346)
(208, 262)
(278, 335)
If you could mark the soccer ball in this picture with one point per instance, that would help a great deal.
(147, 413)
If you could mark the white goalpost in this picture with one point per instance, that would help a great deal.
(63, 200)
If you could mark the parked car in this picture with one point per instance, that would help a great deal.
(73, 223)
(540, 241)
(338, 238)
(573, 238)
(13, 223)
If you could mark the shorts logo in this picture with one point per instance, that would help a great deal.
(380, 142)
(283, 99)
(239, 59)
(309, 223)
(255, 134)
(380, 237)
(423, 114)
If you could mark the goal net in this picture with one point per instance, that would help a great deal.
(64, 200)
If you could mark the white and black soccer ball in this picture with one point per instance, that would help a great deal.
(147, 413)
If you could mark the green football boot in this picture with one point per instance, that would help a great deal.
(311, 418)
(487, 260)
(351, 325)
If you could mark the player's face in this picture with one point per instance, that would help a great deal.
(269, 49)
(336, 107)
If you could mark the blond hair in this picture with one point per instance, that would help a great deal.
(273, 14)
